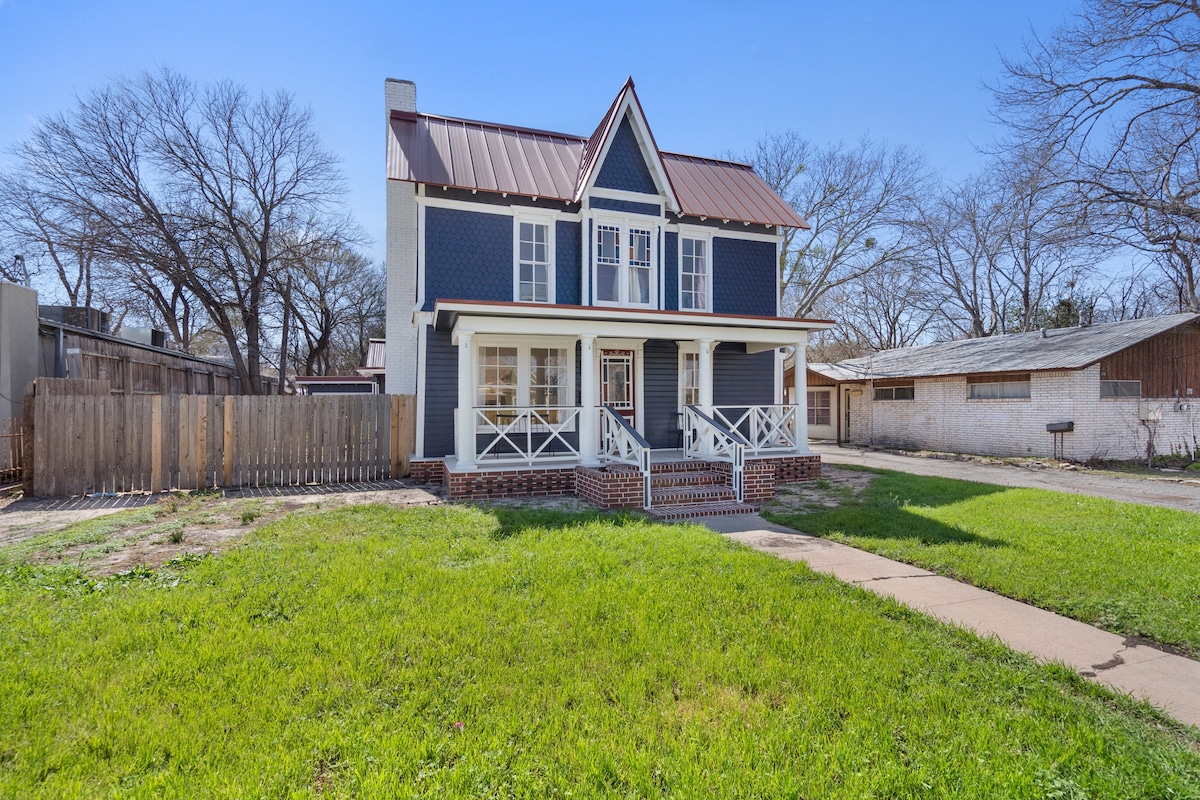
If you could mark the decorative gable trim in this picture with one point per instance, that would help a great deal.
(596, 150)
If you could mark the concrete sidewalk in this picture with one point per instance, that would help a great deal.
(1168, 681)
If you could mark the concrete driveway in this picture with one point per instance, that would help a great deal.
(1182, 493)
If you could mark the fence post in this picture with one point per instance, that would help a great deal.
(156, 444)
(227, 419)
(27, 458)
(395, 437)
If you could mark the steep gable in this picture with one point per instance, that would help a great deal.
(624, 166)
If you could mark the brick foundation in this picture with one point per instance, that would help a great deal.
(610, 487)
(488, 484)
(794, 469)
(430, 471)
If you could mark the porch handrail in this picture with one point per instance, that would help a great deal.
(621, 443)
(517, 427)
(704, 437)
(768, 427)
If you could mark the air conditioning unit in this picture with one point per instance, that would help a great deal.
(1181, 406)
(1149, 412)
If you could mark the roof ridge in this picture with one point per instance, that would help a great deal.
(504, 125)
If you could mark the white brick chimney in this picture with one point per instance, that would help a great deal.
(401, 257)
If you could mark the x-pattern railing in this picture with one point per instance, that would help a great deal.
(620, 442)
(704, 437)
(517, 427)
(766, 428)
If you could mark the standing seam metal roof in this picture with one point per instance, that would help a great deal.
(466, 154)
(1060, 348)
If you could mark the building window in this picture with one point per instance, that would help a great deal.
(533, 274)
(998, 386)
(693, 274)
(819, 407)
(1120, 388)
(689, 379)
(624, 265)
(904, 391)
(510, 379)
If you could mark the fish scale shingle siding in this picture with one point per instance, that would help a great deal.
(468, 256)
(744, 277)
(566, 266)
(624, 166)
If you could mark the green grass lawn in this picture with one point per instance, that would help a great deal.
(1130, 569)
(462, 652)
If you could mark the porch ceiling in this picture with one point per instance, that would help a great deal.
(758, 333)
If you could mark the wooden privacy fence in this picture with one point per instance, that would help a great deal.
(88, 444)
(11, 449)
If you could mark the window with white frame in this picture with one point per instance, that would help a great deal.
(625, 272)
(693, 273)
(689, 378)
(511, 379)
(819, 407)
(533, 276)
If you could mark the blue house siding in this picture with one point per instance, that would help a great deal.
(670, 272)
(744, 277)
(566, 263)
(661, 392)
(468, 256)
(441, 392)
(743, 379)
(624, 167)
(626, 206)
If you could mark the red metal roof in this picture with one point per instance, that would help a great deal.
(466, 154)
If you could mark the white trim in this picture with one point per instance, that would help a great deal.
(674, 227)
(434, 201)
(685, 348)
(628, 196)
(625, 223)
(699, 235)
(638, 346)
(422, 344)
(535, 217)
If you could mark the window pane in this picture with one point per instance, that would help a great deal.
(606, 283)
(526, 232)
(639, 289)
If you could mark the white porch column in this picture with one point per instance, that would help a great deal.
(589, 435)
(464, 439)
(800, 387)
(705, 378)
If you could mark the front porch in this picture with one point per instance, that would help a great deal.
(558, 400)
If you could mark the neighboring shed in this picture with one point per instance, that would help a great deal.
(1128, 388)
(335, 384)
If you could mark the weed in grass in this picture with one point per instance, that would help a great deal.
(250, 516)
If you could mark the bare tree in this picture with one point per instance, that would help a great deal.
(338, 298)
(856, 198)
(1114, 94)
(212, 189)
(48, 239)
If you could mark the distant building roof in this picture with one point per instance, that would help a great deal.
(376, 355)
(466, 154)
(1059, 348)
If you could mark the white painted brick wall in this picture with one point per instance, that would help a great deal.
(942, 419)
(401, 257)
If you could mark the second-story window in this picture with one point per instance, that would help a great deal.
(625, 270)
(533, 275)
(693, 274)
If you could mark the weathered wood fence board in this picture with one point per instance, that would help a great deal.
(83, 444)
(12, 448)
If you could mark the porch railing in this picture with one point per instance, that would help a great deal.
(522, 435)
(621, 443)
(705, 437)
(766, 429)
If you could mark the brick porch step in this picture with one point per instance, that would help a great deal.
(659, 480)
(722, 508)
(680, 495)
(687, 465)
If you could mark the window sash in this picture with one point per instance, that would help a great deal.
(533, 262)
(693, 274)
(819, 407)
(524, 376)
(1120, 389)
(908, 392)
(624, 265)
(998, 390)
(689, 382)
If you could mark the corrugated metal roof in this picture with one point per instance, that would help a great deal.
(1060, 348)
(466, 154)
(376, 354)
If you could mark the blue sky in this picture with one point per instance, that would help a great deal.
(712, 76)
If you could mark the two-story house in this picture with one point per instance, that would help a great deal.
(588, 314)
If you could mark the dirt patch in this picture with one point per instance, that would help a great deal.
(836, 487)
(153, 530)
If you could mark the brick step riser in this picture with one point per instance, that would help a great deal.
(669, 498)
(694, 478)
(692, 465)
(704, 510)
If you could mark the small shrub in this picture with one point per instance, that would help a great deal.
(176, 536)
(249, 516)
